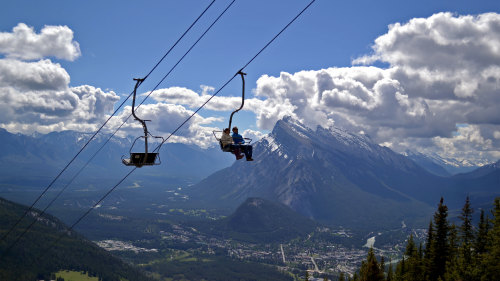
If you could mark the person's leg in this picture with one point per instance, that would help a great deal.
(247, 149)
(237, 151)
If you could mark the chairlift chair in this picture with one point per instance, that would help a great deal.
(145, 158)
(247, 140)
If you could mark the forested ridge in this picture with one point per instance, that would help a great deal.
(37, 257)
(466, 251)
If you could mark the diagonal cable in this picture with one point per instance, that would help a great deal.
(157, 85)
(100, 128)
(182, 124)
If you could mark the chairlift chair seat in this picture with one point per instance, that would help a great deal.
(140, 159)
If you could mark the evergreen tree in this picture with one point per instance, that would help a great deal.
(492, 255)
(412, 267)
(382, 266)
(466, 233)
(467, 236)
(482, 234)
(440, 243)
(429, 252)
(370, 270)
(342, 276)
(400, 269)
(390, 275)
(452, 271)
(480, 245)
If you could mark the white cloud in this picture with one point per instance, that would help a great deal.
(53, 41)
(443, 71)
(496, 134)
(191, 99)
(36, 95)
(253, 135)
(165, 120)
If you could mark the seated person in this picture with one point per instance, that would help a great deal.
(238, 140)
(227, 142)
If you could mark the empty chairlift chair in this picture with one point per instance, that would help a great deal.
(145, 158)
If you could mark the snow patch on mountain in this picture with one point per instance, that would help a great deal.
(273, 146)
(348, 138)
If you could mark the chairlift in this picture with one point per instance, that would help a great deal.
(145, 158)
(216, 133)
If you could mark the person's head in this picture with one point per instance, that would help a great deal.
(226, 131)
(235, 129)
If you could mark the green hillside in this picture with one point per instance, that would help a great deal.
(33, 257)
(259, 220)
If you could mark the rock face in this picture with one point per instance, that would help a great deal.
(332, 176)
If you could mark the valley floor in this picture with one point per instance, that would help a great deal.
(324, 251)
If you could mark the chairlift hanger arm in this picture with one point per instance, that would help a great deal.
(137, 84)
(242, 74)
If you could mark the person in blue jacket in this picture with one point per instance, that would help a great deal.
(238, 140)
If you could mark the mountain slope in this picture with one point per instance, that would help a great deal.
(331, 175)
(27, 260)
(262, 221)
(440, 166)
(427, 163)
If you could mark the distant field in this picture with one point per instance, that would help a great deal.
(75, 276)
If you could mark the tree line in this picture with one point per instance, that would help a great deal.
(451, 252)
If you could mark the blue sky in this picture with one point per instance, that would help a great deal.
(120, 40)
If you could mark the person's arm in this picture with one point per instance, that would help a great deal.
(238, 139)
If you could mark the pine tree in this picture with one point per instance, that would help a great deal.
(467, 236)
(480, 245)
(342, 276)
(382, 266)
(412, 267)
(440, 243)
(492, 255)
(466, 232)
(482, 234)
(400, 269)
(370, 270)
(429, 252)
(452, 271)
(390, 274)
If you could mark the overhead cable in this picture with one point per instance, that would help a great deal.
(183, 123)
(101, 127)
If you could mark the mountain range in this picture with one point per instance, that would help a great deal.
(330, 175)
(36, 159)
(344, 179)
(440, 166)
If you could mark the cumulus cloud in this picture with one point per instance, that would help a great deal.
(192, 99)
(165, 120)
(443, 71)
(440, 92)
(36, 95)
(52, 41)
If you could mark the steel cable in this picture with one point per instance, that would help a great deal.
(182, 124)
(100, 128)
